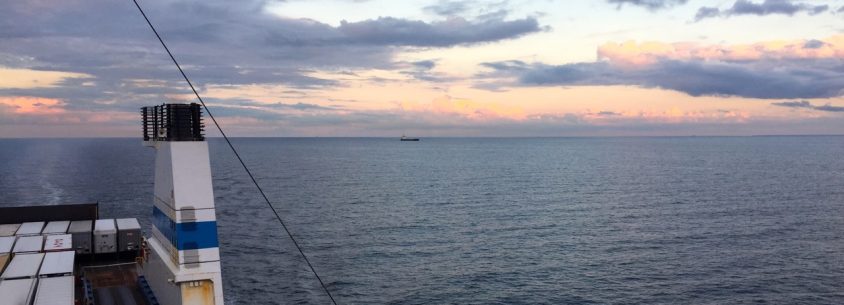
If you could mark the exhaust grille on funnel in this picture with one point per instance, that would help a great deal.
(173, 122)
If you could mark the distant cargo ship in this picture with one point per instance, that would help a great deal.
(406, 138)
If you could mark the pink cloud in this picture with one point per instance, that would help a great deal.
(673, 115)
(466, 108)
(32, 105)
(631, 53)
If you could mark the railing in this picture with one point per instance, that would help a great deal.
(173, 122)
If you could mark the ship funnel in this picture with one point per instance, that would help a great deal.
(173, 122)
(183, 265)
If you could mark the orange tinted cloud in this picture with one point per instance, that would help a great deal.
(466, 108)
(32, 105)
(636, 54)
(27, 79)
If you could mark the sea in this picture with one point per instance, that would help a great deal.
(628, 220)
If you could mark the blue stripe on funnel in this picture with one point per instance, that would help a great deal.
(186, 235)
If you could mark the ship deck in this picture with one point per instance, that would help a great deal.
(114, 284)
(99, 279)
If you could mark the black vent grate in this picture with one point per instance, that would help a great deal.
(173, 122)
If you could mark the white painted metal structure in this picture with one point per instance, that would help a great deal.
(56, 227)
(105, 236)
(55, 291)
(184, 260)
(23, 266)
(29, 244)
(58, 242)
(17, 292)
(6, 244)
(57, 263)
(128, 234)
(81, 232)
(30, 228)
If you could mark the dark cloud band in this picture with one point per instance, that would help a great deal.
(768, 7)
(766, 80)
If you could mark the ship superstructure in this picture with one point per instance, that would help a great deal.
(67, 254)
(183, 266)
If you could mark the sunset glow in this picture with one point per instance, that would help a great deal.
(429, 68)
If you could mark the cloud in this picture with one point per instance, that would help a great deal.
(465, 108)
(30, 105)
(29, 79)
(764, 80)
(507, 65)
(99, 55)
(809, 105)
(768, 7)
(707, 12)
(649, 4)
(453, 31)
(810, 68)
(449, 8)
(423, 70)
(794, 104)
(830, 108)
(633, 53)
(814, 44)
(425, 64)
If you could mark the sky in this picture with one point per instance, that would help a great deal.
(435, 68)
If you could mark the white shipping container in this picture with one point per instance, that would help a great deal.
(23, 266)
(105, 236)
(30, 228)
(9, 229)
(60, 242)
(57, 263)
(81, 231)
(55, 291)
(56, 227)
(128, 234)
(29, 244)
(6, 244)
(17, 292)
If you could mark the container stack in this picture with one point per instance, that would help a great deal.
(37, 259)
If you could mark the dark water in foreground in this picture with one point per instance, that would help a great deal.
(522, 221)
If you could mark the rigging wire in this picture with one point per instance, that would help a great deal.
(248, 172)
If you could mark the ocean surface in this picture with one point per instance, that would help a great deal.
(694, 220)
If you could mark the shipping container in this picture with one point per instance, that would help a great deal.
(128, 234)
(6, 244)
(81, 232)
(57, 263)
(17, 292)
(4, 260)
(9, 229)
(23, 266)
(62, 242)
(29, 244)
(30, 228)
(56, 227)
(55, 291)
(105, 236)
